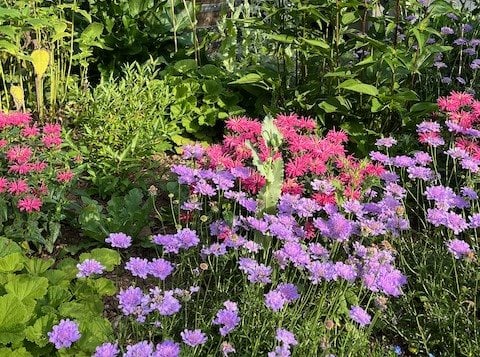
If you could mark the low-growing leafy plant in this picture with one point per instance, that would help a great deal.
(36, 293)
(121, 124)
(34, 180)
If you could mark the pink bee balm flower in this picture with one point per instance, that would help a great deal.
(18, 187)
(3, 184)
(3, 143)
(30, 132)
(65, 176)
(30, 204)
(53, 129)
(19, 154)
(51, 140)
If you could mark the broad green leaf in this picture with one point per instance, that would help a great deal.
(13, 317)
(348, 18)
(92, 31)
(9, 47)
(27, 286)
(20, 352)
(40, 60)
(8, 246)
(357, 86)
(37, 333)
(57, 295)
(109, 258)
(281, 38)
(186, 65)
(327, 107)
(37, 266)
(12, 262)
(424, 107)
(103, 286)
(248, 79)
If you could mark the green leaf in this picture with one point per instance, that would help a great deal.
(27, 287)
(186, 65)
(8, 246)
(13, 317)
(316, 43)
(12, 262)
(424, 107)
(376, 105)
(357, 86)
(248, 79)
(103, 286)
(37, 333)
(20, 352)
(349, 17)
(57, 295)
(107, 257)
(37, 266)
(280, 38)
(92, 31)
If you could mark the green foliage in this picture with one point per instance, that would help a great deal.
(124, 122)
(129, 214)
(34, 296)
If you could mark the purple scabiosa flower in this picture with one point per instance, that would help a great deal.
(193, 152)
(469, 193)
(345, 271)
(193, 338)
(224, 180)
(138, 267)
(119, 240)
(133, 302)
(256, 273)
(470, 164)
(168, 241)
(140, 349)
(191, 206)
(163, 302)
(167, 348)
(280, 351)
(337, 227)
(458, 248)
(403, 161)
(257, 224)
(475, 63)
(456, 223)
(64, 334)
(353, 207)
(474, 220)
(323, 186)
(89, 267)
(387, 142)
(445, 30)
(372, 227)
(216, 249)
(428, 127)
(296, 254)
(275, 300)
(421, 173)
(395, 190)
(436, 216)
(460, 41)
(431, 41)
(360, 316)
(467, 27)
(318, 251)
(187, 238)
(461, 80)
(286, 203)
(321, 270)
(226, 348)
(444, 197)
(389, 177)
(251, 246)
(286, 337)
(206, 174)
(107, 350)
(439, 65)
(452, 16)
(380, 157)
(422, 158)
(457, 153)
(289, 291)
(306, 207)
(186, 175)
(446, 80)
(248, 203)
(470, 52)
(228, 318)
(203, 188)
(474, 42)
(240, 172)
(160, 268)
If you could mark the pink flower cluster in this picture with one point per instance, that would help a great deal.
(25, 150)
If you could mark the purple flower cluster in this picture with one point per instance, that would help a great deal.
(158, 268)
(228, 318)
(119, 240)
(89, 267)
(360, 316)
(193, 338)
(64, 334)
(458, 248)
(172, 243)
(286, 340)
(284, 294)
(256, 273)
(133, 301)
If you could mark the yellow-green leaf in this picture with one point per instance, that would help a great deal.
(40, 60)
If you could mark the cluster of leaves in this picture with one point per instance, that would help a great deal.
(36, 293)
(121, 124)
(32, 25)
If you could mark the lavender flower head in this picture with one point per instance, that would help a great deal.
(143, 348)
(458, 248)
(226, 348)
(160, 268)
(89, 267)
(445, 30)
(64, 334)
(360, 316)
(228, 318)
(387, 142)
(167, 348)
(107, 350)
(138, 267)
(193, 152)
(286, 337)
(119, 240)
(193, 338)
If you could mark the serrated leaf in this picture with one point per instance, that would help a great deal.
(13, 317)
(37, 266)
(12, 262)
(107, 257)
(37, 333)
(26, 287)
